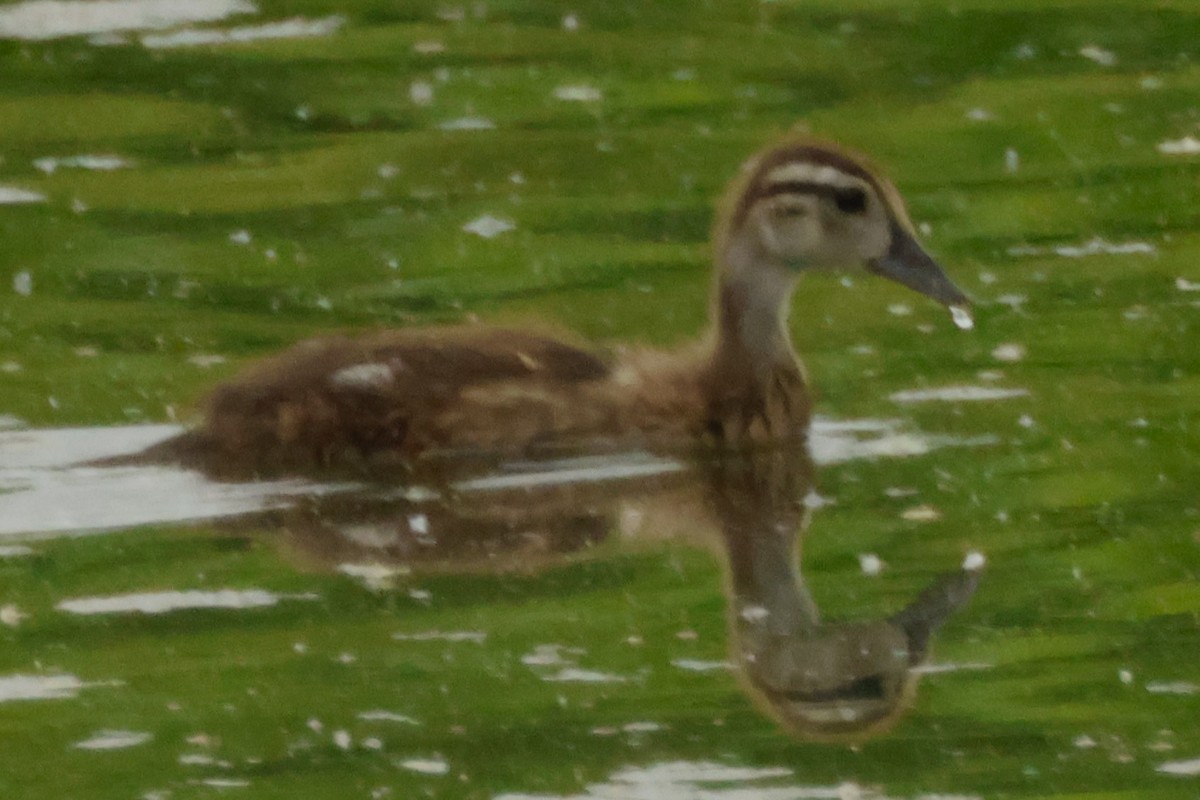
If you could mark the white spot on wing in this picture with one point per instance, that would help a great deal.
(363, 376)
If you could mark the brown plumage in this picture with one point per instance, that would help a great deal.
(394, 399)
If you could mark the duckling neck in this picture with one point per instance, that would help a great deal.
(752, 300)
(753, 371)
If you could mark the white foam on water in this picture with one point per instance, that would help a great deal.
(578, 94)
(37, 20)
(620, 466)
(1187, 146)
(706, 780)
(689, 780)
(1093, 247)
(426, 766)
(577, 675)
(113, 740)
(97, 163)
(488, 226)
(380, 715)
(166, 602)
(43, 492)
(13, 196)
(1172, 687)
(295, 28)
(700, 665)
(40, 687)
(468, 124)
(935, 669)
(838, 441)
(957, 394)
(1187, 768)
(478, 637)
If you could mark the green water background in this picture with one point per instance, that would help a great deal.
(285, 188)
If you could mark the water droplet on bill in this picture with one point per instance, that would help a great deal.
(962, 318)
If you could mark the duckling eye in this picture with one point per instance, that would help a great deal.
(850, 201)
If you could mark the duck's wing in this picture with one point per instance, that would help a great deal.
(381, 397)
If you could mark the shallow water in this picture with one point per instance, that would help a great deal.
(185, 186)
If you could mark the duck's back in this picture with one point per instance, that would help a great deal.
(385, 399)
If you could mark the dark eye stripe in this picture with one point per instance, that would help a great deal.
(849, 199)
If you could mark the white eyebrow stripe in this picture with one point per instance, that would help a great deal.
(804, 172)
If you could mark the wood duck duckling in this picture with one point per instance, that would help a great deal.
(391, 398)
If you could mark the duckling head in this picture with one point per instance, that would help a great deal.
(812, 205)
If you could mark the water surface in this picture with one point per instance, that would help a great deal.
(185, 186)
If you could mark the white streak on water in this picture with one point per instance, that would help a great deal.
(54, 19)
(974, 561)
(1092, 247)
(12, 195)
(44, 492)
(468, 124)
(426, 766)
(295, 28)
(99, 163)
(1184, 768)
(578, 94)
(488, 226)
(957, 394)
(39, 687)
(934, 669)
(699, 665)
(1172, 687)
(580, 470)
(577, 675)
(1187, 146)
(113, 740)
(1094, 52)
(379, 715)
(691, 780)
(166, 602)
(705, 780)
(478, 637)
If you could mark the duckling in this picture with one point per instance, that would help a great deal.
(392, 398)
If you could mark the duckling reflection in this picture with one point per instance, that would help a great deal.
(822, 679)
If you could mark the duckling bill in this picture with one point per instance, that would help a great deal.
(391, 398)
